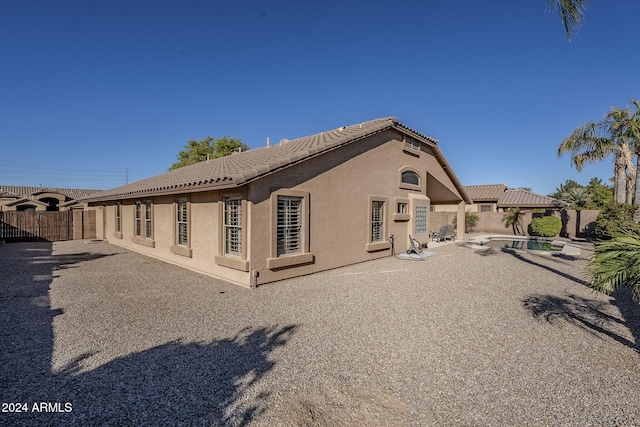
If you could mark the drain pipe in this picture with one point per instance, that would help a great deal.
(393, 248)
(254, 279)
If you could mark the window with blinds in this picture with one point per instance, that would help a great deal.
(118, 218)
(377, 221)
(138, 220)
(233, 226)
(148, 225)
(420, 226)
(289, 227)
(182, 225)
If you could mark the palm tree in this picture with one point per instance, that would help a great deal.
(594, 141)
(513, 219)
(571, 12)
(634, 135)
(616, 264)
(576, 197)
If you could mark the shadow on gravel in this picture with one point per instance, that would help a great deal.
(630, 310)
(546, 267)
(587, 314)
(176, 383)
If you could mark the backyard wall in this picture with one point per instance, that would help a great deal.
(575, 223)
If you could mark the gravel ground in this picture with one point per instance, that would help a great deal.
(462, 338)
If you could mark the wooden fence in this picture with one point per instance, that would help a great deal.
(16, 226)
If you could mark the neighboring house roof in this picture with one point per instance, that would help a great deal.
(25, 192)
(24, 200)
(485, 193)
(527, 199)
(8, 194)
(241, 168)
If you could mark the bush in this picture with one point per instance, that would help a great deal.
(546, 226)
(470, 221)
(612, 221)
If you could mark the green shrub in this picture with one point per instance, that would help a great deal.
(546, 226)
(612, 220)
(470, 221)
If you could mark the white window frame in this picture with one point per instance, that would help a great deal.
(232, 226)
(137, 219)
(182, 223)
(377, 221)
(289, 226)
(118, 218)
(148, 219)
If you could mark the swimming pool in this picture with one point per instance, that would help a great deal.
(528, 244)
(522, 243)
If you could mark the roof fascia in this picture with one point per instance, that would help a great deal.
(167, 192)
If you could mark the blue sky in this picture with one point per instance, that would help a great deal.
(90, 89)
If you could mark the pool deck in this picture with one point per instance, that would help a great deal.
(568, 247)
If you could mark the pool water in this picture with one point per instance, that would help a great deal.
(531, 245)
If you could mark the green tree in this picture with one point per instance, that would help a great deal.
(207, 148)
(571, 13)
(576, 197)
(513, 219)
(568, 185)
(600, 195)
(613, 220)
(616, 264)
(595, 141)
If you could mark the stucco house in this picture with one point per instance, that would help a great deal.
(24, 198)
(310, 204)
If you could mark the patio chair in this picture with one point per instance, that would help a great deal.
(415, 247)
(446, 232)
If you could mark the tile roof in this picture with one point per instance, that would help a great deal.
(523, 198)
(485, 193)
(25, 192)
(241, 168)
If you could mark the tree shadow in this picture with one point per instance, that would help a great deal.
(553, 258)
(587, 314)
(176, 383)
(630, 311)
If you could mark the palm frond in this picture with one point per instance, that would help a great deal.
(571, 12)
(616, 264)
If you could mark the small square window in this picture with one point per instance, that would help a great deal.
(403, 208)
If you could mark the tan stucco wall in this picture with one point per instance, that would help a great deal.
(338, 186)
(203, 234)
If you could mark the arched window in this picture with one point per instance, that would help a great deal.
(410, 177)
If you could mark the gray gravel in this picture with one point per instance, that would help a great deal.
(461, 338)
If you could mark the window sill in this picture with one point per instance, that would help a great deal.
(290, 261)
(231, 262)
(182, 250)
(405, 186)
(117, 235)
(401, 217)
(145, 242)
(379, 246)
